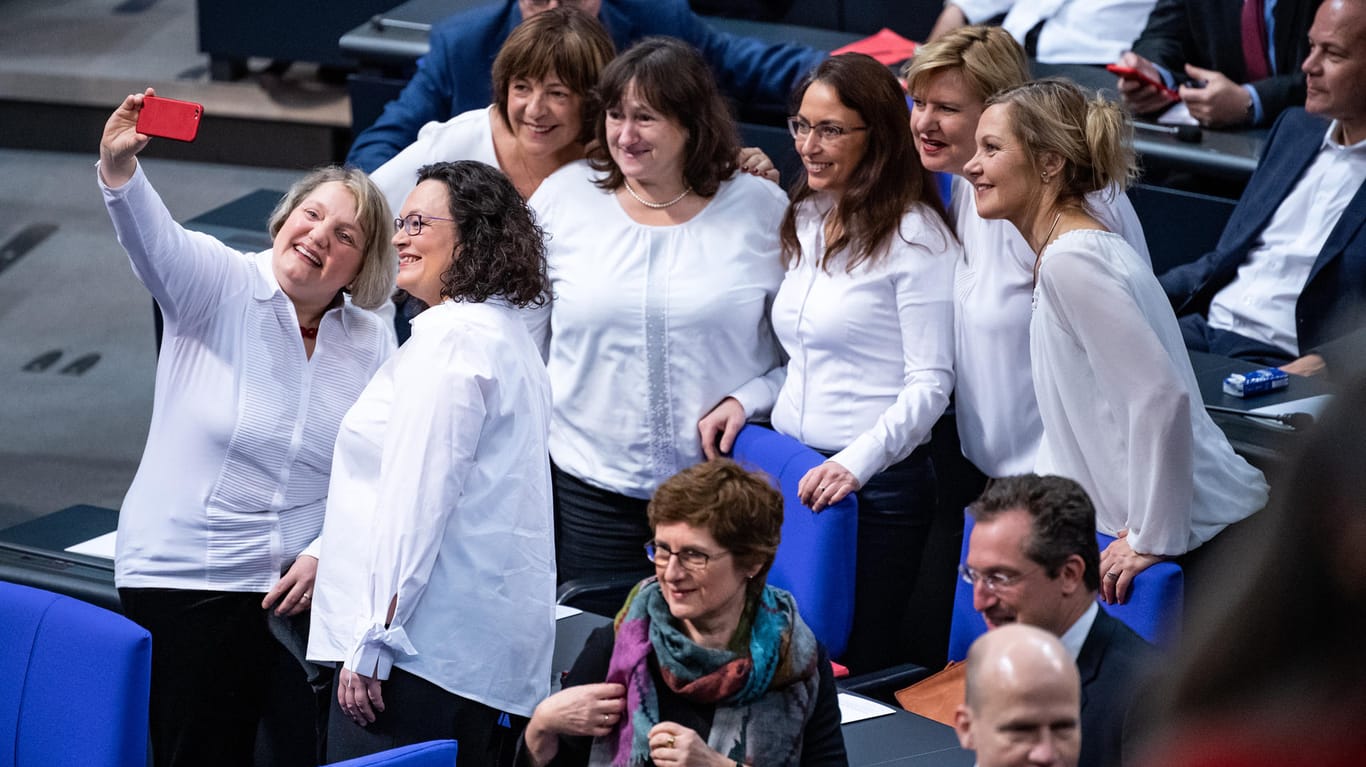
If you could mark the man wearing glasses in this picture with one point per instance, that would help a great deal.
(455, 75)
(1033, 559)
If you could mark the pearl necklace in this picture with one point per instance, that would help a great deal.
(655, 205)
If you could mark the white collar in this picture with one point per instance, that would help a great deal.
(1075, 636)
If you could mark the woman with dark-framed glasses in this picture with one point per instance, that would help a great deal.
(436, 590)
(706, 663)
(865, 314)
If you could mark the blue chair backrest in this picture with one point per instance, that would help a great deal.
(433, 753)
(77, 680)
(818, 554)
(1153, 611)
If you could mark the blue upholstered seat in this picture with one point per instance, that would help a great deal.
(77, 679)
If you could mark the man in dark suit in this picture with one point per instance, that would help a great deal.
(454, 76)
(1033, 559)
(1286, 284)
(1202, 41)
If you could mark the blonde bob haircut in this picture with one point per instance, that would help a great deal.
(1094, 138)
(988, 57)
(374, 283)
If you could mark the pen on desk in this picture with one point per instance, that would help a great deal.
(1188, 133)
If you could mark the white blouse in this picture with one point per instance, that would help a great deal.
(998, 419)
(1121, 408)
(467, 136)
(441, 496)
(233, 479)
(652, 326)
(870, 352)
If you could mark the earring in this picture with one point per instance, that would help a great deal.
(1044, 176)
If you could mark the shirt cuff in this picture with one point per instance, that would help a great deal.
(374, 654)
(1254, 114)
(864, 458)
(1168, 79)
(756, 396)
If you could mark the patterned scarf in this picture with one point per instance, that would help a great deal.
(763, 685)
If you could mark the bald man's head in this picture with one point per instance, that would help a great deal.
(1023, 706)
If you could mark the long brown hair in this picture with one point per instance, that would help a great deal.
(887, 181)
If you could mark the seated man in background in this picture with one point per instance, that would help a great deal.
(1033, 559)
(1242, 56)
(1055, 31)
(1285, 285)
(1020, 708)
(455, 74)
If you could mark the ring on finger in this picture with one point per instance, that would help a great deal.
(1112, 575)
(669, 743)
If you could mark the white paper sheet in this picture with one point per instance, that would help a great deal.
(102, 546)
(854, 708)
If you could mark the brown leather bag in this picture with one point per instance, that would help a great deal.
(937, 696)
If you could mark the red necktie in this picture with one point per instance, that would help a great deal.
(1254, 41)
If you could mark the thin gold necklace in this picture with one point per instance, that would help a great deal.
(1038, 256)
(655, 205)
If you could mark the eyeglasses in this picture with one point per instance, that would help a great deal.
(691, 559)
(992, 581)
(800, 129)
(413, 223)
(542, 5)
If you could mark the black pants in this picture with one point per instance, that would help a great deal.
(597, 532)
(895, 511)
(1200, 337)
(211, 658)
(415, 711)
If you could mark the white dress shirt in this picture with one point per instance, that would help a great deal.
(1074, 638)
(233, 479)
(441, 496)
(1121, 409)
(652, 326)
(870, 352)
(467, 136)
(1074, 31)
(998, 418)
(1260, 302)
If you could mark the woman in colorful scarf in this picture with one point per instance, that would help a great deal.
(705, 662)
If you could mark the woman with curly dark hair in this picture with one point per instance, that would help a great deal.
(436, 589)
(663, 260)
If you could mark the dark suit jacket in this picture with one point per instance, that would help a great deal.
(1331, 304)
(1208, 34)
(455, 75)
(1113, 659)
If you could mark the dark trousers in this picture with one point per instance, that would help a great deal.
(1200, 337)
(211, 658)
(415, 711)
(597, 532)
(896, 510)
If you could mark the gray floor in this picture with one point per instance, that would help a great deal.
(68, 438)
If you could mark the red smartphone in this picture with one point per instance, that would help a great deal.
(169, 118)
(1130, 73)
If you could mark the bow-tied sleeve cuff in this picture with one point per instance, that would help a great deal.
(374, 654)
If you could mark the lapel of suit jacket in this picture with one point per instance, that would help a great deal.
(1093, 650)
(1346, 228)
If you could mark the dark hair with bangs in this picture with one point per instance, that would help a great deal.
(887, 181)
(501, 251)
(564, 41)
(673, 79)
(739, 508)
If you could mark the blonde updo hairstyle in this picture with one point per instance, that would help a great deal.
(1093, 137)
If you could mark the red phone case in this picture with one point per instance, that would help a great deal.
(169, 118)
(1129, 73)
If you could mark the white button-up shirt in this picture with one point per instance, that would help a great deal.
(233, 480)
(441, 499)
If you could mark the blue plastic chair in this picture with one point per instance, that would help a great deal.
(819, 552)
(77, 680)
(433, 753)
(1153, 611)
